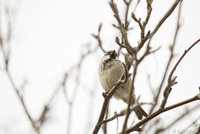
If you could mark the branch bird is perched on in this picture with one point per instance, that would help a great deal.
(110, 70)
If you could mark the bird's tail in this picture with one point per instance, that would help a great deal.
(136, 108)
(139, 112)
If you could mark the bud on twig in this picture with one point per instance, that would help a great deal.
(100, 25)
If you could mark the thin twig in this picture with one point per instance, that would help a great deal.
(142, 27)
(150, 35)
(170, 79)
(138, 1)
(126, 14)
(123, 112)
(130, 97)
(147, 52)
(98, 37)
(179, 118)
(183, 131)
(71, 102)
(122, 29)
(107, 97)
(47, 106)
(104, 126)
(171, 54)
(116, 115)
(164, 18)
(159, 111)
(6, 58)
(162, 109)
(22, 102)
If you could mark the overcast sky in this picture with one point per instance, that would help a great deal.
(48, 37)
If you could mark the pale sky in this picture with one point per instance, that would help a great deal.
(47, 41)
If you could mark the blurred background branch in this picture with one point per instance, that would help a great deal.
(49, 79)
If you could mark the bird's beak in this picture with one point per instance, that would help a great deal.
(114, 53)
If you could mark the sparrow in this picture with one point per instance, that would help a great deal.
(110, 70)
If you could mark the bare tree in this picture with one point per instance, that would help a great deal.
(133, 51)
(139, 52)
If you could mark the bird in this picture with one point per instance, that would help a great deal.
(109, 71)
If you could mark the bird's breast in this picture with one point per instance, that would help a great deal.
(110, 75)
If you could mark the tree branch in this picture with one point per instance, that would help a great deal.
(122, 29)
(171, 54)
(6, 57)
(130, 97)
(171, 81)
(178, 119)
(98, 37)
(142, 26)
(159, 111)
(164, 18)
(107, 97)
